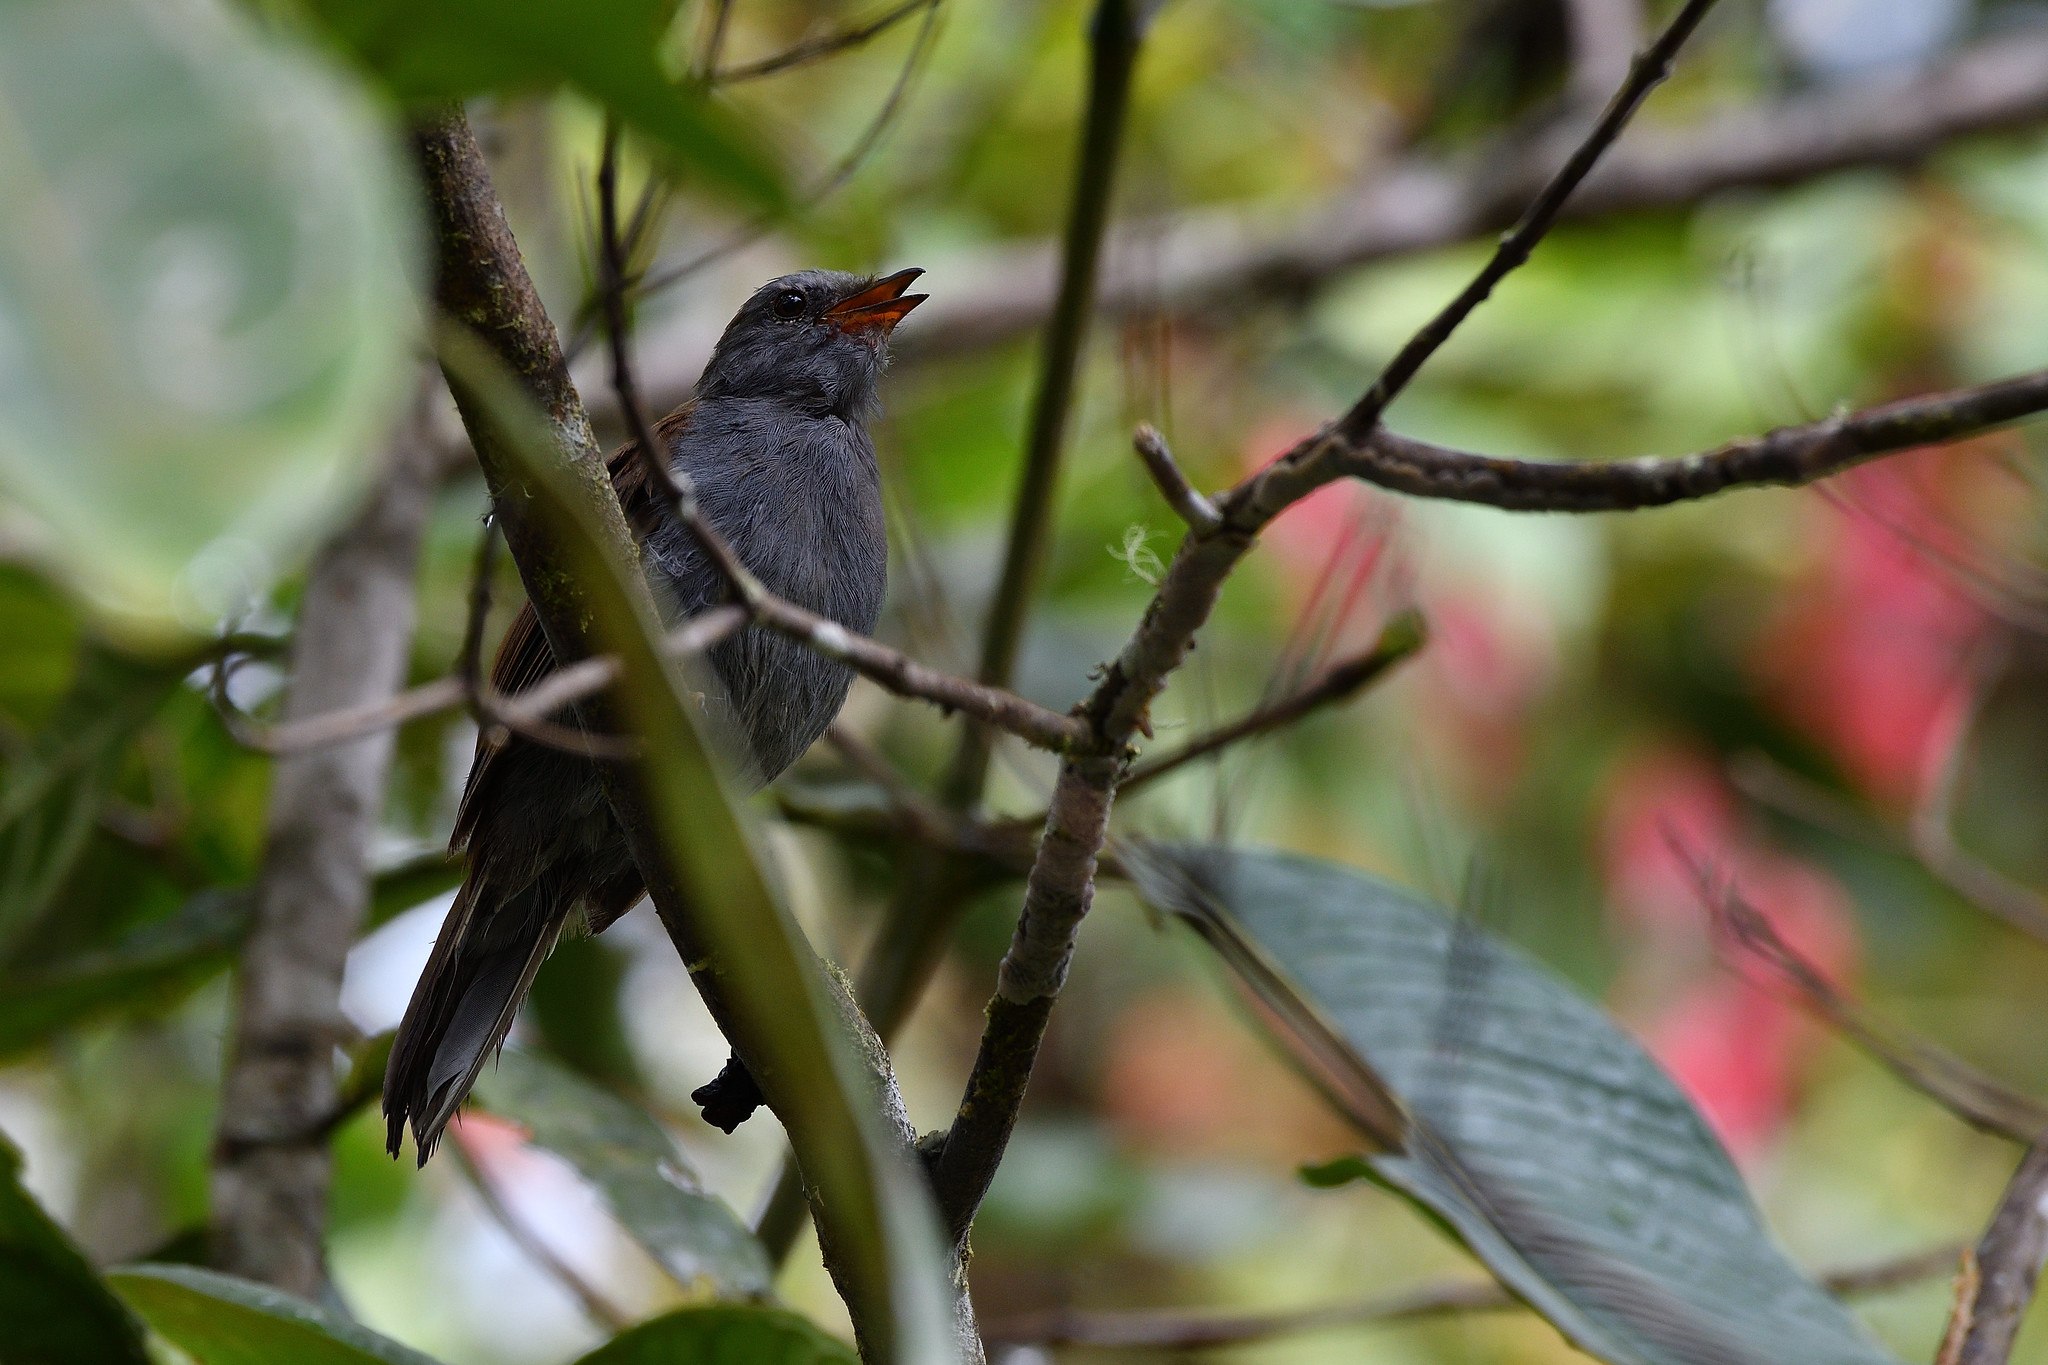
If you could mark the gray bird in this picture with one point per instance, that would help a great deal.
(776, 444)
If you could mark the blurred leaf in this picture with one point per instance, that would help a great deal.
(153, 964)
(52, 794)
(884, 1229)
(645, 1181)
(220, 1320)
(148, 968)
(721, 1333)
(431, 51)
(1544, 1137)
(204, 309)
(42, 646)
(53, 1309)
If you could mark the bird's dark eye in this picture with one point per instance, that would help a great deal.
(787, 305)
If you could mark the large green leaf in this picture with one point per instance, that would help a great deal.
(204, 300)
(724, 1334)
(439, 50)
(1541, 1134)
(220, 1320)
(650, 1189)
(53, 1309)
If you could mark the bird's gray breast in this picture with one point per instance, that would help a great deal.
(799, 499)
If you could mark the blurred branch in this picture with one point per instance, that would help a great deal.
(1216, 262)
(1061, 885)
(271, 1164)
(581, 680)
(1948, 1080)
(1927, 842)
(495, 720)
(599, 1309)
(1402, 638)
(2008, 1264)
(823, 46)
(1171, 1331)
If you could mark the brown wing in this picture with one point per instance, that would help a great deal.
(524, 657)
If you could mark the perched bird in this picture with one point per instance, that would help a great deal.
(776, 444)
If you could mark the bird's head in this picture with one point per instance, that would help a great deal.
(817, 339)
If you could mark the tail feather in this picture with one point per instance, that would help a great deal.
(481, 968)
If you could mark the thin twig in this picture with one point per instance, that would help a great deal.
(1974, 881)
(1177, 1331)
(1187, 502)
(823, 46)
(1968, 1093)
(595, 1305)
(495, 720)
(2007, 1266)
(834, 180)
(1401, 639)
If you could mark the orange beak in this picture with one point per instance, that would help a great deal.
(877, 308)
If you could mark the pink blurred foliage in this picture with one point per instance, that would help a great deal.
(1734, 1041)
(1870, 655)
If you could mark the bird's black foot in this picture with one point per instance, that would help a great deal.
(730, 1098)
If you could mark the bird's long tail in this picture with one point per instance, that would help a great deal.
(482, 966)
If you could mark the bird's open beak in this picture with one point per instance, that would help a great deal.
(877, 308)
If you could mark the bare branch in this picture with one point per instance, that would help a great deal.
(1188, 504)
(1787, 457)
(2008, 1265)
(1401, 639)
(581, 680)
(823, 46)
(271, 1164)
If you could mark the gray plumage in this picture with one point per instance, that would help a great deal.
(776, 446)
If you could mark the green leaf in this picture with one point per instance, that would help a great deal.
(204, 301)
(53, 1309)
(51, 795)
(880, 1219)
(1542, 1135)
(646, 1182)
(221, 1320)
(724, 1334)
(431, 51)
